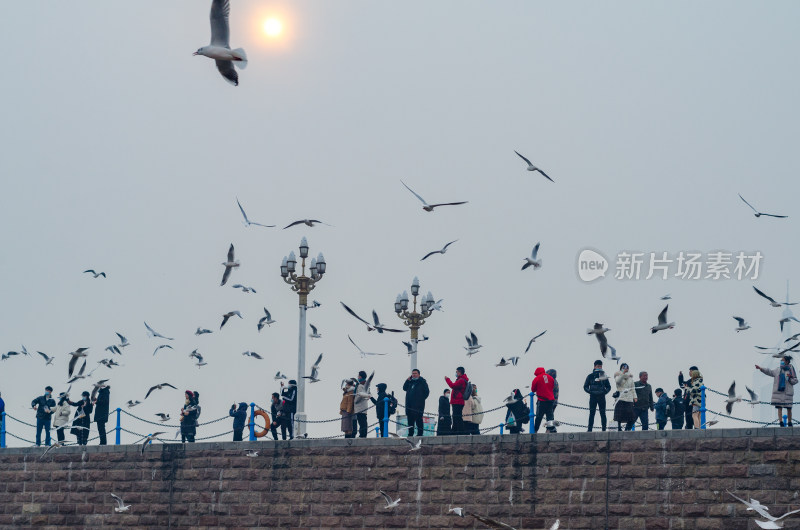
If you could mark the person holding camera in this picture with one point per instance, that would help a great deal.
(597, 386)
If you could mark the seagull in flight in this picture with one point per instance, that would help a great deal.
(80, 375)
(244, 288)
(162, 416)
(662, 321)
(532, 261)
(80, 352)
(710, 423)
(95, 274)
(410, 347)
(429, 207)
(279, 376)
(229, 265)
(252, 354)
(132, 403)
(380, 328)
(266, 320)
(314, 377)
(149, 438)
(308, 222)
(599, 331)
(159, 387)
(120, 504)
(248, 222)
(314, 333)
(785, 320)
(390, 503)
(753, 396)
(202, 331)
(228, 315)
(162, 346)
(666, 297)
(771, 522)
(511, 361)
(614, 354)
(759, 214)
(113, 349)
(436, 306)
(123, 342)
(153, 333)
(531, 167)
(472, 346)
(353, 313)
(442, 251)
(534, 340)
(48, 360)
(251, 454)
(744, 325)
(772, 301)
(314, 304)
(55, 445)
(362, 352)
(732, 398)
(491, 523)
(196, 355)
(108, 363)
(220, 49)
(414, 446)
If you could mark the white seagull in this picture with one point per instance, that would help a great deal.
(461, 512)
(662, 321)
(429, 207)
(229, 265)
(532, 261)
(279, 376)
(162, 346)
(307, 222)
(314, 377)
(753, 396)
(414, 446)
(266, 320)
(153, 333)
(785, 320)
(771, 522)
(380, 328)
(123, 342)
(252, 354)
(666, 297)
(511, 361)
(742, 324)
(121, 507)
(95, 274)
(113, 349)
(314, 304)
(732, 398)
(442, 251)
(531, 167)
(132, 403)
(80, 374)
(159, 387)
(534, 340)
(771, 300)
(390, 503)
(599, 331)
(436, 306)
(220, 48)
(248, 222)
(228, 315)
(80, 352)
(149, 438)
(362, 352)
(314, 333)
(202, 331)
(244, 288)
(251, 454)
(54, 445)
(613, 356)
(409, 347)
(47, 359)
(472, 346)
(759, 214)
(162, 416)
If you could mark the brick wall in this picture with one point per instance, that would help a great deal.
(648, 480)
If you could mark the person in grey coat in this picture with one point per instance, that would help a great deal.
(782, 388)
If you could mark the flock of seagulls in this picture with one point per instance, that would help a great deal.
(770, 521)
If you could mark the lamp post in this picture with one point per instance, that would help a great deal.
(302, 285)
(413, 319)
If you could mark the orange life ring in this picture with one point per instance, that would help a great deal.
(264, 415)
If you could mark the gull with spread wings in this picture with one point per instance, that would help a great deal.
(220, 49)
(429, 207)
(248, 222)
(759, 214)
(531, 167)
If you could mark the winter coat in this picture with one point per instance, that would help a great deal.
(661, 408)
(457, 389)
(239, 416)
(276, 412)
(380, 405)
(62, 413)
(624, 382)
(678, 407)
(518, 411)
(644, 396)
(346, 406)
(416, 394)
(190, 419)
(101, 405)
(360, 403)
(84, 407)
(593, 387)
(543, 385)
(477, 410)
(693, 386)
(444, 407)
(466, 412)
(41, 403)
(785, 396)
(289, 397)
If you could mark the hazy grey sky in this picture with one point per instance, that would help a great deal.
(123, 153)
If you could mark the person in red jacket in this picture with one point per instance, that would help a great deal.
(457, 399)
(542, 386)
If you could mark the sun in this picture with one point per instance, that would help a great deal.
(273, 27)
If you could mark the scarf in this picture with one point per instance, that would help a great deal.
(782, 378)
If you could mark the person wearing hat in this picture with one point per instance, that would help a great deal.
(597, 386)
(626, 397)
(785, 377)
(289, 404)
(661, 407)
(678, 409)
(82, 419)
(62, 414)
(44, 407)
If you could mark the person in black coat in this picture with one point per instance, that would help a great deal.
(101, 412)
(239, 418)
(289, 404)
(417, 392)
(518, 413)
(82, 419)
(44, 406)
(276, 409)
(444, 426)
(189, 414)
(380, 405)
(678, 409)
(597, 389)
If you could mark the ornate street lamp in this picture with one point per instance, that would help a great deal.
(413, 319)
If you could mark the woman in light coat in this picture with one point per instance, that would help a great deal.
(626, 397)
(785, 377)
(477, 411)
(62, 415)
(346, 408)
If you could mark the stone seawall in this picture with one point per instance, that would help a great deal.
(651, 479)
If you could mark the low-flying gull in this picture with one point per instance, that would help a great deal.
(252, 354)
(159, 387)
(121, 507)
(80, 352)
(47, 359)
(266, 320)
(414, 446)
(713, 421)
(662, 321)
(153, 333)
(666, 297)
(362, 352)
(353, 313)
(771, 300)
(390, 503)
(123, 342)
(251, 454)
(532, 261)
(108, 363)
(409, 347)
(742, 324)
(771, 522)
(429, 207)
(472, 346)
(491, 523)
(220, 49)
(753, 396)
(132, 403)
(314, 304)
(164, 417)
(785, 320)
(442, 251)
(248, 222)
(759, 214)
(95, 274)
(149, 438)
(113, 349)
(54, 445)
(732, 398)
(202, 331)
(314, 333)
(510, 361)
(314, 377)
(436, 306)
(228, 315)
(80, 374)
(531, 167)
(162, 346)
(380, 328)
(244, 288)
(458, 511)
(279, 376)
(599, 331)
(307, 222)
(534, 340)
(229, 265)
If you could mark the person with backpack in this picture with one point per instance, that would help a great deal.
(380, 406)
(597, 386)
(417, 391)
(678, 409)
(461, 392)
(518, 413)
(663, 408)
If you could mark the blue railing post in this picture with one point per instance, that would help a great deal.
(118, 428)
(786, 420)
(386, 417)
(502, 425)
(703, 407)
(633, 427)
(532, 415)
(3, 430)
(253, 422)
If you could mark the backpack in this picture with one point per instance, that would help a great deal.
(527, 417)
(392, 404)
(467, 391)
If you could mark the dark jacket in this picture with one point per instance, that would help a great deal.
(416, 394)
(239, 416)
(678, 407)
(275, 412)
(518, 411)
(41, 402)
(84, 407)
(101, 405)
(289, 398)
(644, 396)
(661, 407)
(594, 387)
(378, 401)
(444, 407)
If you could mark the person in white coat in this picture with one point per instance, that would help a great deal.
(62, 415)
